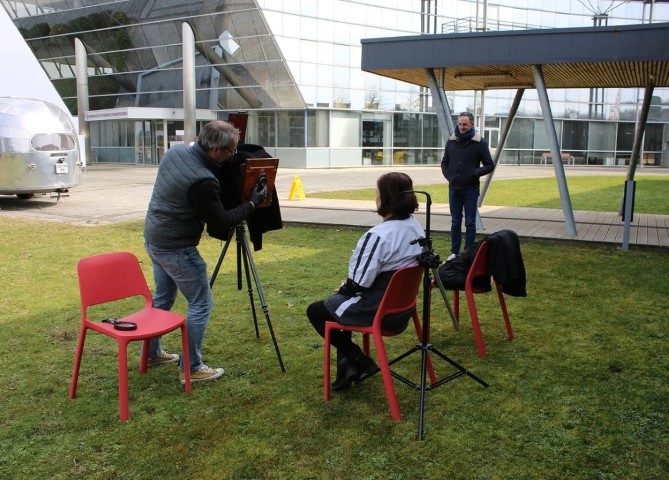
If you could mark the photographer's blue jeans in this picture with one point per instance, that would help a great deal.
(459, 200)
(182, 270)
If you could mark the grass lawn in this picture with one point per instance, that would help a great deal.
(596, 193)
(582, 392)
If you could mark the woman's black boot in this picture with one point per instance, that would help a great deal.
(364, 365)
(347, 373)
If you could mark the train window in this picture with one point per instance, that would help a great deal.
(49, 142)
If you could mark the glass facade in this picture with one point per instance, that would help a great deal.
(289, 71)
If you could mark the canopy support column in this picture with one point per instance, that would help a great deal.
(502, 141)
(627, 205)
(570, 224)
(444, 115)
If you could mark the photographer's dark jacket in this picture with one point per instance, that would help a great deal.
(465, 161)
(186, 196)
(230, 177)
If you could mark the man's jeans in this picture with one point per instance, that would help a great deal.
(459, 200)
(182, 269)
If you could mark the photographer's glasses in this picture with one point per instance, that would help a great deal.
(234, 152)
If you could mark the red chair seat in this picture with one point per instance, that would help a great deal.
(111, 277)
(480, 268)
(400, 296)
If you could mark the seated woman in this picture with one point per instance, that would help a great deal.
(381, 251)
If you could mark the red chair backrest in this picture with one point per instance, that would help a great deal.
(110, 277)
(479, 266)
(401, 292)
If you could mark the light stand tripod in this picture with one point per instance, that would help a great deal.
(244, 253)
(430, 261)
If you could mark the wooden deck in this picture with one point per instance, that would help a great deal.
(540, 223)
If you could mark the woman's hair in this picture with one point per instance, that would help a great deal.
(217, 134)
(397, 197)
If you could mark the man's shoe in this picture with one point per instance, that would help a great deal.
(163, 358)
(202, 374)
(451, 257)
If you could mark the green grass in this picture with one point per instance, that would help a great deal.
(580, 393)
(596, 193)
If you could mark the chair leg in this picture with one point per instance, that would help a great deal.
(326, 364)
(419, 333)
(365, 343)
(185, 357)
(456, 304)
(476, 326)
(77, 362)
(505, 313)
(387, 378)
(123, 381)
(144, 356)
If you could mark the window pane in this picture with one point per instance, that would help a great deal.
(575, 135)
(625, 139)
(521, 134)
(653, 138)
(291, 129)
(540, 137)
(602, 136)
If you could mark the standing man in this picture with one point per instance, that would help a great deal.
(186, 196)
(466, 159)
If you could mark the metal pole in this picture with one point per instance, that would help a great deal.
(82, 94)
(640, 129)
(629, 202)
(444, 117)
(188, 49)
(570, 224)
(502, 141)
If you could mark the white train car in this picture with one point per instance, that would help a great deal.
(39, 148)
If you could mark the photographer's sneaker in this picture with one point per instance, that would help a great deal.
(163, 358)
(451, 257)
(202, 374)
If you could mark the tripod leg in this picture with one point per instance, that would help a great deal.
(444, 295)
(241, 253)
(220, 261)
(239, 235)
(261, 294)
(423, 388)
(461, 370)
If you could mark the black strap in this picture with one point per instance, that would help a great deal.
(118, 325)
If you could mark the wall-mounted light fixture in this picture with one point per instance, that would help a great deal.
(506, 86)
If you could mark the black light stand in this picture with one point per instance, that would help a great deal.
(430, 261)
(244, 253)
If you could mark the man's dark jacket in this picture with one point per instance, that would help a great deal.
(465, 161)
(506, 262)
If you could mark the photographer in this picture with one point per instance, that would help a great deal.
(381, 251)
(186, 196)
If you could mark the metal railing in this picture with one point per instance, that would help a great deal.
(473, 24)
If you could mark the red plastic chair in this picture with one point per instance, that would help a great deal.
(480, 268)
(109, 278)
(400, 296)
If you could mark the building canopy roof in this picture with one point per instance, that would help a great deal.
(591, 57)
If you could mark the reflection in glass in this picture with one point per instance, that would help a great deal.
(575, 135)
(602, 136)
